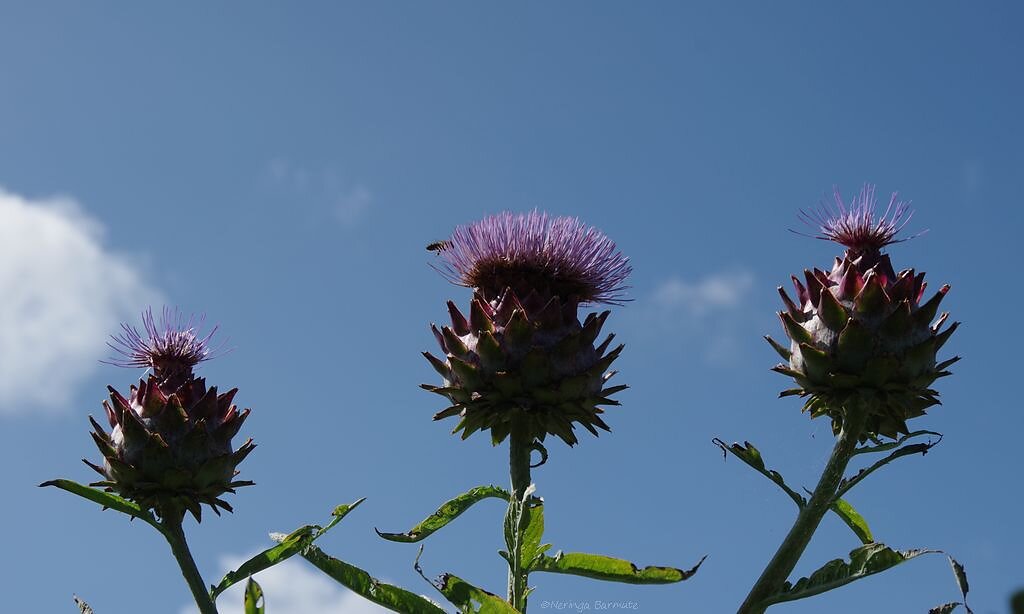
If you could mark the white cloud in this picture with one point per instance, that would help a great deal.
(708, 310)
(701, 298)
(348, 202)
(62, 293)
(292, 587)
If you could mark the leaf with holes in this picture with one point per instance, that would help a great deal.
(449, 511)
(600, 567)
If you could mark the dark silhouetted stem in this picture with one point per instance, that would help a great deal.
(775, 574)
(175, 536)
(519, 469)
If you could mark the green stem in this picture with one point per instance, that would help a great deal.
(519, 470)
(172, 531)
(775, 574)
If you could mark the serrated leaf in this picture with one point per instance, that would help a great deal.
(853, 520)
(885, 447)
(752, 457)
(864, 561)
(362, 583)
(106, 499)
(532, 534)
(253, 602)
(470, 599)
(915, 448)
(945, 608)
(288, 546)
(449, 511)
(600, 567)
(961, 581)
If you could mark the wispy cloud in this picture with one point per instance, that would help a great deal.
(347, 201)
(62, 292)
(292, 587)
(708, 310)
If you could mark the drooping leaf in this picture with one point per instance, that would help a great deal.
(854, 520)
(752, 456)
(864, 561)
(468, 598)
(253, 602)
(449, 511)
(360, 582)
(106, 499)
(600, 567)
(880, 446)
(83, 607)
(288, 546)
(961, 582)
(907, 450)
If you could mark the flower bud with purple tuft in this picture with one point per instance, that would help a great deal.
(170, 445)
(860, 333)
(523, 356)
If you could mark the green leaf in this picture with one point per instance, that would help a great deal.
(105, 499)
(449, 511)
(290, 545)
(532, 534)
(752, 456)
(853, 520)
(600, 567)
(253, 598)
(470, 599)
(885, 447)
(961, 582)
(864, 561)
(391, 597)
(915, 448)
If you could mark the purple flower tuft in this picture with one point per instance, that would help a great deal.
(170, 349)
(534, 252)
(856, 225)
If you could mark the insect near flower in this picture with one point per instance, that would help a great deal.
(439, 246)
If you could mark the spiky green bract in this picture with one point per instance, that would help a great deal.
(526, 360)
(170, 449)
(861, 334)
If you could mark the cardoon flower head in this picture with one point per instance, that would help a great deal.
(857, 226)
(170, 445)
(171, 349)
(522, 359)
(534, 252)
(860, 334)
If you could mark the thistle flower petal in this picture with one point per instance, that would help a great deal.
(557, 256)
(857, 225)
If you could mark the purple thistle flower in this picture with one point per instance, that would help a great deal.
(170, 349)
(534, 252)
(856, 225)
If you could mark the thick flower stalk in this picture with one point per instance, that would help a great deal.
(863, 350)
(522, 358)
(170, 447)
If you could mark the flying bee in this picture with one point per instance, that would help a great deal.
(439, 246)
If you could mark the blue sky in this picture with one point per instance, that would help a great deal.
(281, 169)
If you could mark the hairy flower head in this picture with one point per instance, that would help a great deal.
(554, 256)
(171, 348)
(856, 225)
